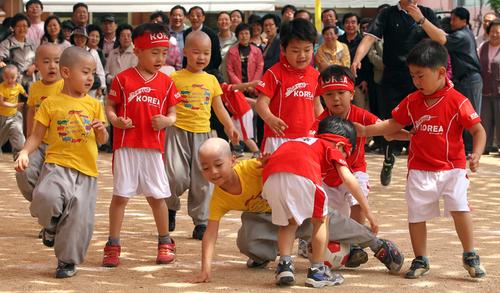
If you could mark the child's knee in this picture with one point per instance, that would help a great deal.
(119, 201)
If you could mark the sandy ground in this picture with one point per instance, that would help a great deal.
(27, 265)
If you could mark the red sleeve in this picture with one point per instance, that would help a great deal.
(467, 116)
(268, 85)
(369, 118)
(173, 95)
(115, 93)
(401, 113)
(335, 156)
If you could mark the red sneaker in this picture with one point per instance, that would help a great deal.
(166, 253)
(111, 256)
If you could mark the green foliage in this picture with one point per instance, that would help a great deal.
(495, 5)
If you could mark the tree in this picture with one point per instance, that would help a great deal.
(495, 5)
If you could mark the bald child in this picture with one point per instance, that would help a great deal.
(65, 196)
(200, 93)
(47, 63)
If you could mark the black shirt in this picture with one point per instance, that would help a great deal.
(244, 53)
(462, 48)
(366, 71)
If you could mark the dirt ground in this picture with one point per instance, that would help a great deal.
(27, 265)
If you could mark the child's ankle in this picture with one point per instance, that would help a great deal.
(285, 258)
(165, 239)
(113, 241)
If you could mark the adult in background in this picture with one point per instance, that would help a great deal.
(465, 66)
(196, 16)
(109, 29)
(34, 10)
(226, 39)
(67, 27)
(158, 17)
(329, 18)
(489, 56)
(271, 23)
(96, 38)
(53, 33)
(288, 13)
(237, 17)
(332, 52)
(401, 26)
(122, 56)
(80, 15)
(303, 14)
(352, 37)
(176, 27)
(19, 51)
(256, 30)
(487, 19)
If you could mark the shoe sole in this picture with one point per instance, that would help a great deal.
(164, 262)
(472, 272)
(65, 275)
(285, 279)
(357, 261)
(417, 276)
(110, 265)
(320, 284)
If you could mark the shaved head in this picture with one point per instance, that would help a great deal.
(74, 55)
(47, 49)
(215, 146)
(197, 38)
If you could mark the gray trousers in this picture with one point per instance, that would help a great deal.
(258, 236)
(490, 116)
(64, 201)
(472, 88)
(183, 172)
(27, 180)
(11, 128)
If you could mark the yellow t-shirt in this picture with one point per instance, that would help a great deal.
(10, 95)
(39, 91)
(197, 91)
(71, 140)
(250, 199)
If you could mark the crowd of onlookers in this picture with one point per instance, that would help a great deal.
(245, 46)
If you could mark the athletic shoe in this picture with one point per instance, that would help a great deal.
(473, 265)
(199, 231)
(386, 173)
(166, 253)
(111, 257)
(285, 273)
(390, 255)
(256, 264)
(357, 257)
(65, 270)
(419, 267)
(171, 220)
(303, 249)
(48, 237)
(321, 277)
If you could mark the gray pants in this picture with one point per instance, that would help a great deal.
(258, 236)
(27, 180)
(490, 116)
(472, 88)
(183, 172)
(11, 128)
(64, 201)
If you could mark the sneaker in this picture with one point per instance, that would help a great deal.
(357, 257)
(321, 277)
(419, 267)
(285, 273)
(391, 256)
(171, 220)
(256, 264)
(303, 249)
(111, 257)
(166, 253)
(473, 265)
(386, 173)
(65, 270)
(48, 237)
(199, 231)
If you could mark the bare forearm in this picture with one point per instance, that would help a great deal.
(262, 108)
(434, 32)
(363, 48)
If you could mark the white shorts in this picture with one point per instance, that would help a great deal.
(273, 143)
(139, 171)
(294, 196)
(424, 188)
(340, 198)
(245, 125)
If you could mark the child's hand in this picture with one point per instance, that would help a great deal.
(232, 133)
(160, 122)
(474, 161)
(203, 277)
(263, 158)
(373, 222)
(98, 126)
(360, 129)
(123, 123)
(277, 125)
(22, 162)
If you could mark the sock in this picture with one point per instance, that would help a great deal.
(285, 258)
(469, 253)
(113, 241)
(424, 258)
(164, 239)
(375, 244)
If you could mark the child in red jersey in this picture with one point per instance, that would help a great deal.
(292, 186)
(287, 101)
(436, 159)
(141, 104)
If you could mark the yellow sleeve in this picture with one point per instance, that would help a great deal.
(43, 113)
(100, 113)
(216, 209)
(217, 90)
(21, 90)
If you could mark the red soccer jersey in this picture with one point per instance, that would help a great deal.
(356, 160)
(437, 144)
(308, 157)
(140, 99)
(234, 101)
(292, 95)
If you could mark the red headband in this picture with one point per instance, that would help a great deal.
(332, 83)
(336, 139)
(149, 40)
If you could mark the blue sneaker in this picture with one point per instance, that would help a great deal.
(285, 273)
(65, 270)
(419, 267)
(473, 265)
(321, 277)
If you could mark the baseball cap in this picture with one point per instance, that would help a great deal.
(108, 17)
(80, 31)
